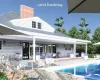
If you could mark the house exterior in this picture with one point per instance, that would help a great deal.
(29, 35)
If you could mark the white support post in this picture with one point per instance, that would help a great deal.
(86, 49)
(74, 49)
(34, 55)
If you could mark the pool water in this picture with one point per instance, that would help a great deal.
(90, 71)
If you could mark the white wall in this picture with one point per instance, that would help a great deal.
(27, 23)
(60, 48)
(11, 47)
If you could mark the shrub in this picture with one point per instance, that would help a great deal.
(26, 77)
(91, 55)
(3, 76)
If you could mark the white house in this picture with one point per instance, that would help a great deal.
(28, 35)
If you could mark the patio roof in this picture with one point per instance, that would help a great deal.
(8, 31)
(83, 6)
(97, 43)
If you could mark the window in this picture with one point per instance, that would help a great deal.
(39, 25)
(0, 45)
(33, 24)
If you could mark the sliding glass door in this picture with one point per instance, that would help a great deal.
(42, 48)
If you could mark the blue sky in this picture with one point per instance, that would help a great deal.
(49, 14)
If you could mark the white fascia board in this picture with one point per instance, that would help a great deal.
(47, 36)
(12, 37)
(56, 37)
(97, 43)
(82, 41)
(45, 39)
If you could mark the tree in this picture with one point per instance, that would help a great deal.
(96, 38)
(59, 22)
(73, 32)
(81, 33)
(96, 35)
(84, 32)
(83, 23)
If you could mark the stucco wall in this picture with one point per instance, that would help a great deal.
(64, 53)
(10, 47)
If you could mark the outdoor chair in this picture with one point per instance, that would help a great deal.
(15, 73)
(41, 62)
(65, 76)
(47, 75)
(44, 75)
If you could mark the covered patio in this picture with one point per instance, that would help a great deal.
(43, 42)
(33, 38)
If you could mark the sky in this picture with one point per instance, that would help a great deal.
(49, 14)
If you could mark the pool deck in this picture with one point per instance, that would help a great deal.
(68, 63)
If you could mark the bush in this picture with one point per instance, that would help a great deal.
(26, 77)
(91, 55)
(3, 76)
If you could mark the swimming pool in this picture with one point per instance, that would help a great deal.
(89, 71)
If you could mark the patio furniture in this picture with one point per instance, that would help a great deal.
(85, 56)
(37, 55)
(82, 54)
(42, 55)
(45, 75)
(58, 54)
(41, 62)
(72, 55)
(65, 76)
(52, 75)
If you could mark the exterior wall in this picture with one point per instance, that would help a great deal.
(64, 53)
(27, 23)
(10, 47)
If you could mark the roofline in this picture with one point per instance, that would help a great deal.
(29, 33)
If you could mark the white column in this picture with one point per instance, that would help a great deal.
(34, 55)
(74, 49)
(86, 48)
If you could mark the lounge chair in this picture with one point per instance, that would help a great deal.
(46, 75)
(65, 76)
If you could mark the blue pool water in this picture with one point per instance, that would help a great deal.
(90, 71)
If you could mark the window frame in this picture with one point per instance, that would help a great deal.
(39, 25)
(1, 45)
(33, 24)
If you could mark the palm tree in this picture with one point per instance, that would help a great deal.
(59, 22)
(83, 23)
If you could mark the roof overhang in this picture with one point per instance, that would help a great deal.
(83, 6)
(5, 30)
(56, 38)
(97, 43)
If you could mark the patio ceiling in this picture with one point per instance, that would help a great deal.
(8, 31)
(45, 40)
(83, 6)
